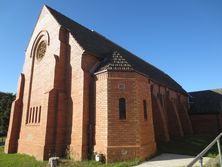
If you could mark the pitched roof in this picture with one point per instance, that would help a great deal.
(97, 44)
(206, 101)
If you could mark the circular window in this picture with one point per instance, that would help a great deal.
(41, 50)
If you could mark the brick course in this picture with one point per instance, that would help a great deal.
(78, 109)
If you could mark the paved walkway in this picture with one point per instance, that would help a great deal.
(170, 160)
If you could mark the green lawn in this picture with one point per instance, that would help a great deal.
(189, 145)
(18, 160)
(21, 160)
(68, 163)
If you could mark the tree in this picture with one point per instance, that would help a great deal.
(6, 100)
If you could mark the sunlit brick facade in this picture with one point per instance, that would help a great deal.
(80, 94)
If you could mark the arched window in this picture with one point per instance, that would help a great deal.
(144, 110)
(122, 109)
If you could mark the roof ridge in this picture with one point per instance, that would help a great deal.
(99, 45)
(203, 90)
(53, 10)
(57, 12)
(105, 38)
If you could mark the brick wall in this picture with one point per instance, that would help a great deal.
(11, 143)
(101, 114)
(206, 123)
(39, 80)
(170, 110)
(79, 109)
(41, 92)
(123, 139)
(75, 102)
(62, 106)
(147, 137)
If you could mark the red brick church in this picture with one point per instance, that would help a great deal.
(82, 94)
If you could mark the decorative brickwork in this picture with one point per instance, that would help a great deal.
(116, 62)
(81, 94)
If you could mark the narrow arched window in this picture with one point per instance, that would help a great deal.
(36, 114)
(30, 115)
(33, 114)
(39, 113)
(144, 110)
(122, 109)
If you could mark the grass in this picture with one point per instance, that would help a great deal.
(69, 163)
(189, 145)
(18, 160)
(21, 160)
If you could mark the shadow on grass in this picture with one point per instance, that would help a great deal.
(189, 145)
(21, 160)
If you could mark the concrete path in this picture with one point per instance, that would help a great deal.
(170, 160)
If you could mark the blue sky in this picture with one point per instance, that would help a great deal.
(183, 38)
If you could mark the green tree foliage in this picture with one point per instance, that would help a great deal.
(6, 100)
